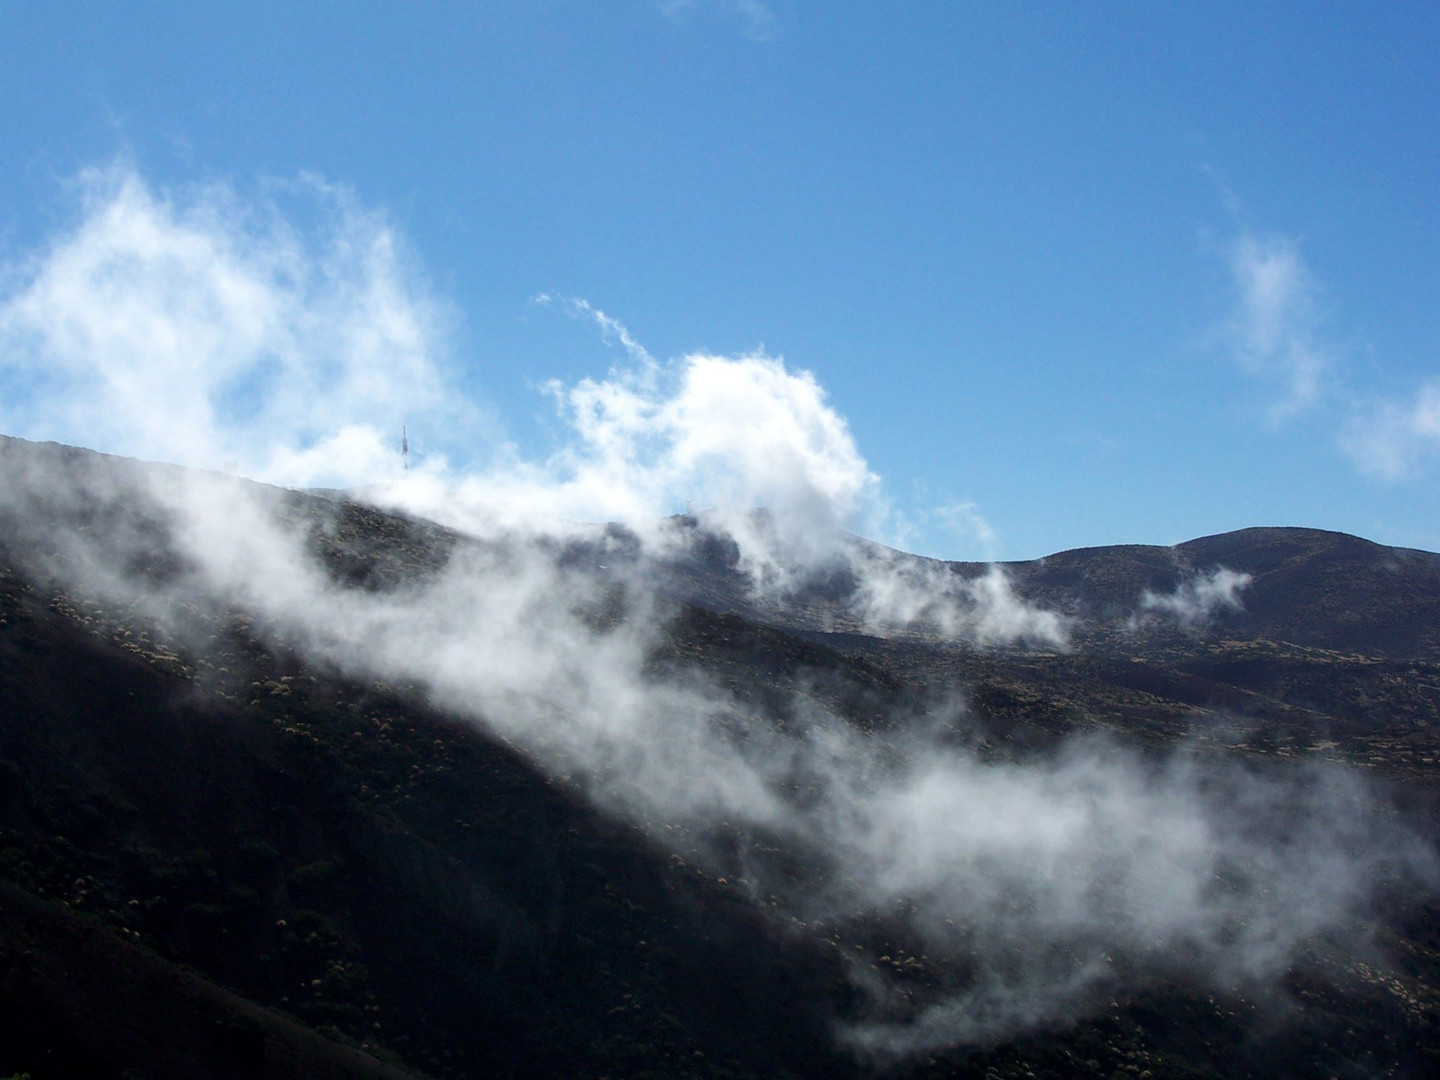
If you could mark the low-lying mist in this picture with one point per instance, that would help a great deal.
(1022, 889)
(1027, 886)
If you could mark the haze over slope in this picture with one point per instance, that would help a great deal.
(1032, 883)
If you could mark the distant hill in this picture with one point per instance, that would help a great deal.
(1308, 587)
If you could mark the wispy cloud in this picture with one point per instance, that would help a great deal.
(610, 328)
(896, 591)
(198, 327)
(1393, 440)
(1273, 330)
(756, 20)
(965, 520)
(1275, 335)
(1196, 600)
(734, 435)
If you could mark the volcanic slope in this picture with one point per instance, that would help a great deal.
(284, 870)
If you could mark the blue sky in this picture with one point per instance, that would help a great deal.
(1071, 274)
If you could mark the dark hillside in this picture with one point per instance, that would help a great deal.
(82, 1001)
(1332, 591)
(1312, 588)
(221, 858)
(352, 858)
(1307, 587)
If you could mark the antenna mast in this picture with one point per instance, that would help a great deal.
(404, 450)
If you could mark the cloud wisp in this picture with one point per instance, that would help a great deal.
(1273, 330)
(759, 450)
(1195, 600)
(198, 327)
(1029, 886)
(1274, 336)
(1393, 440)
(755, 19)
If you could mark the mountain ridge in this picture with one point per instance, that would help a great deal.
(353, 853)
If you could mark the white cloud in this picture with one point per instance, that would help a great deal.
(200, 328)
(1196, 600)
(196, 327)
(728, 433)
(897, 591)
(1392, 440)
(1274, 334)
(732, 436)
(1273, 329)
